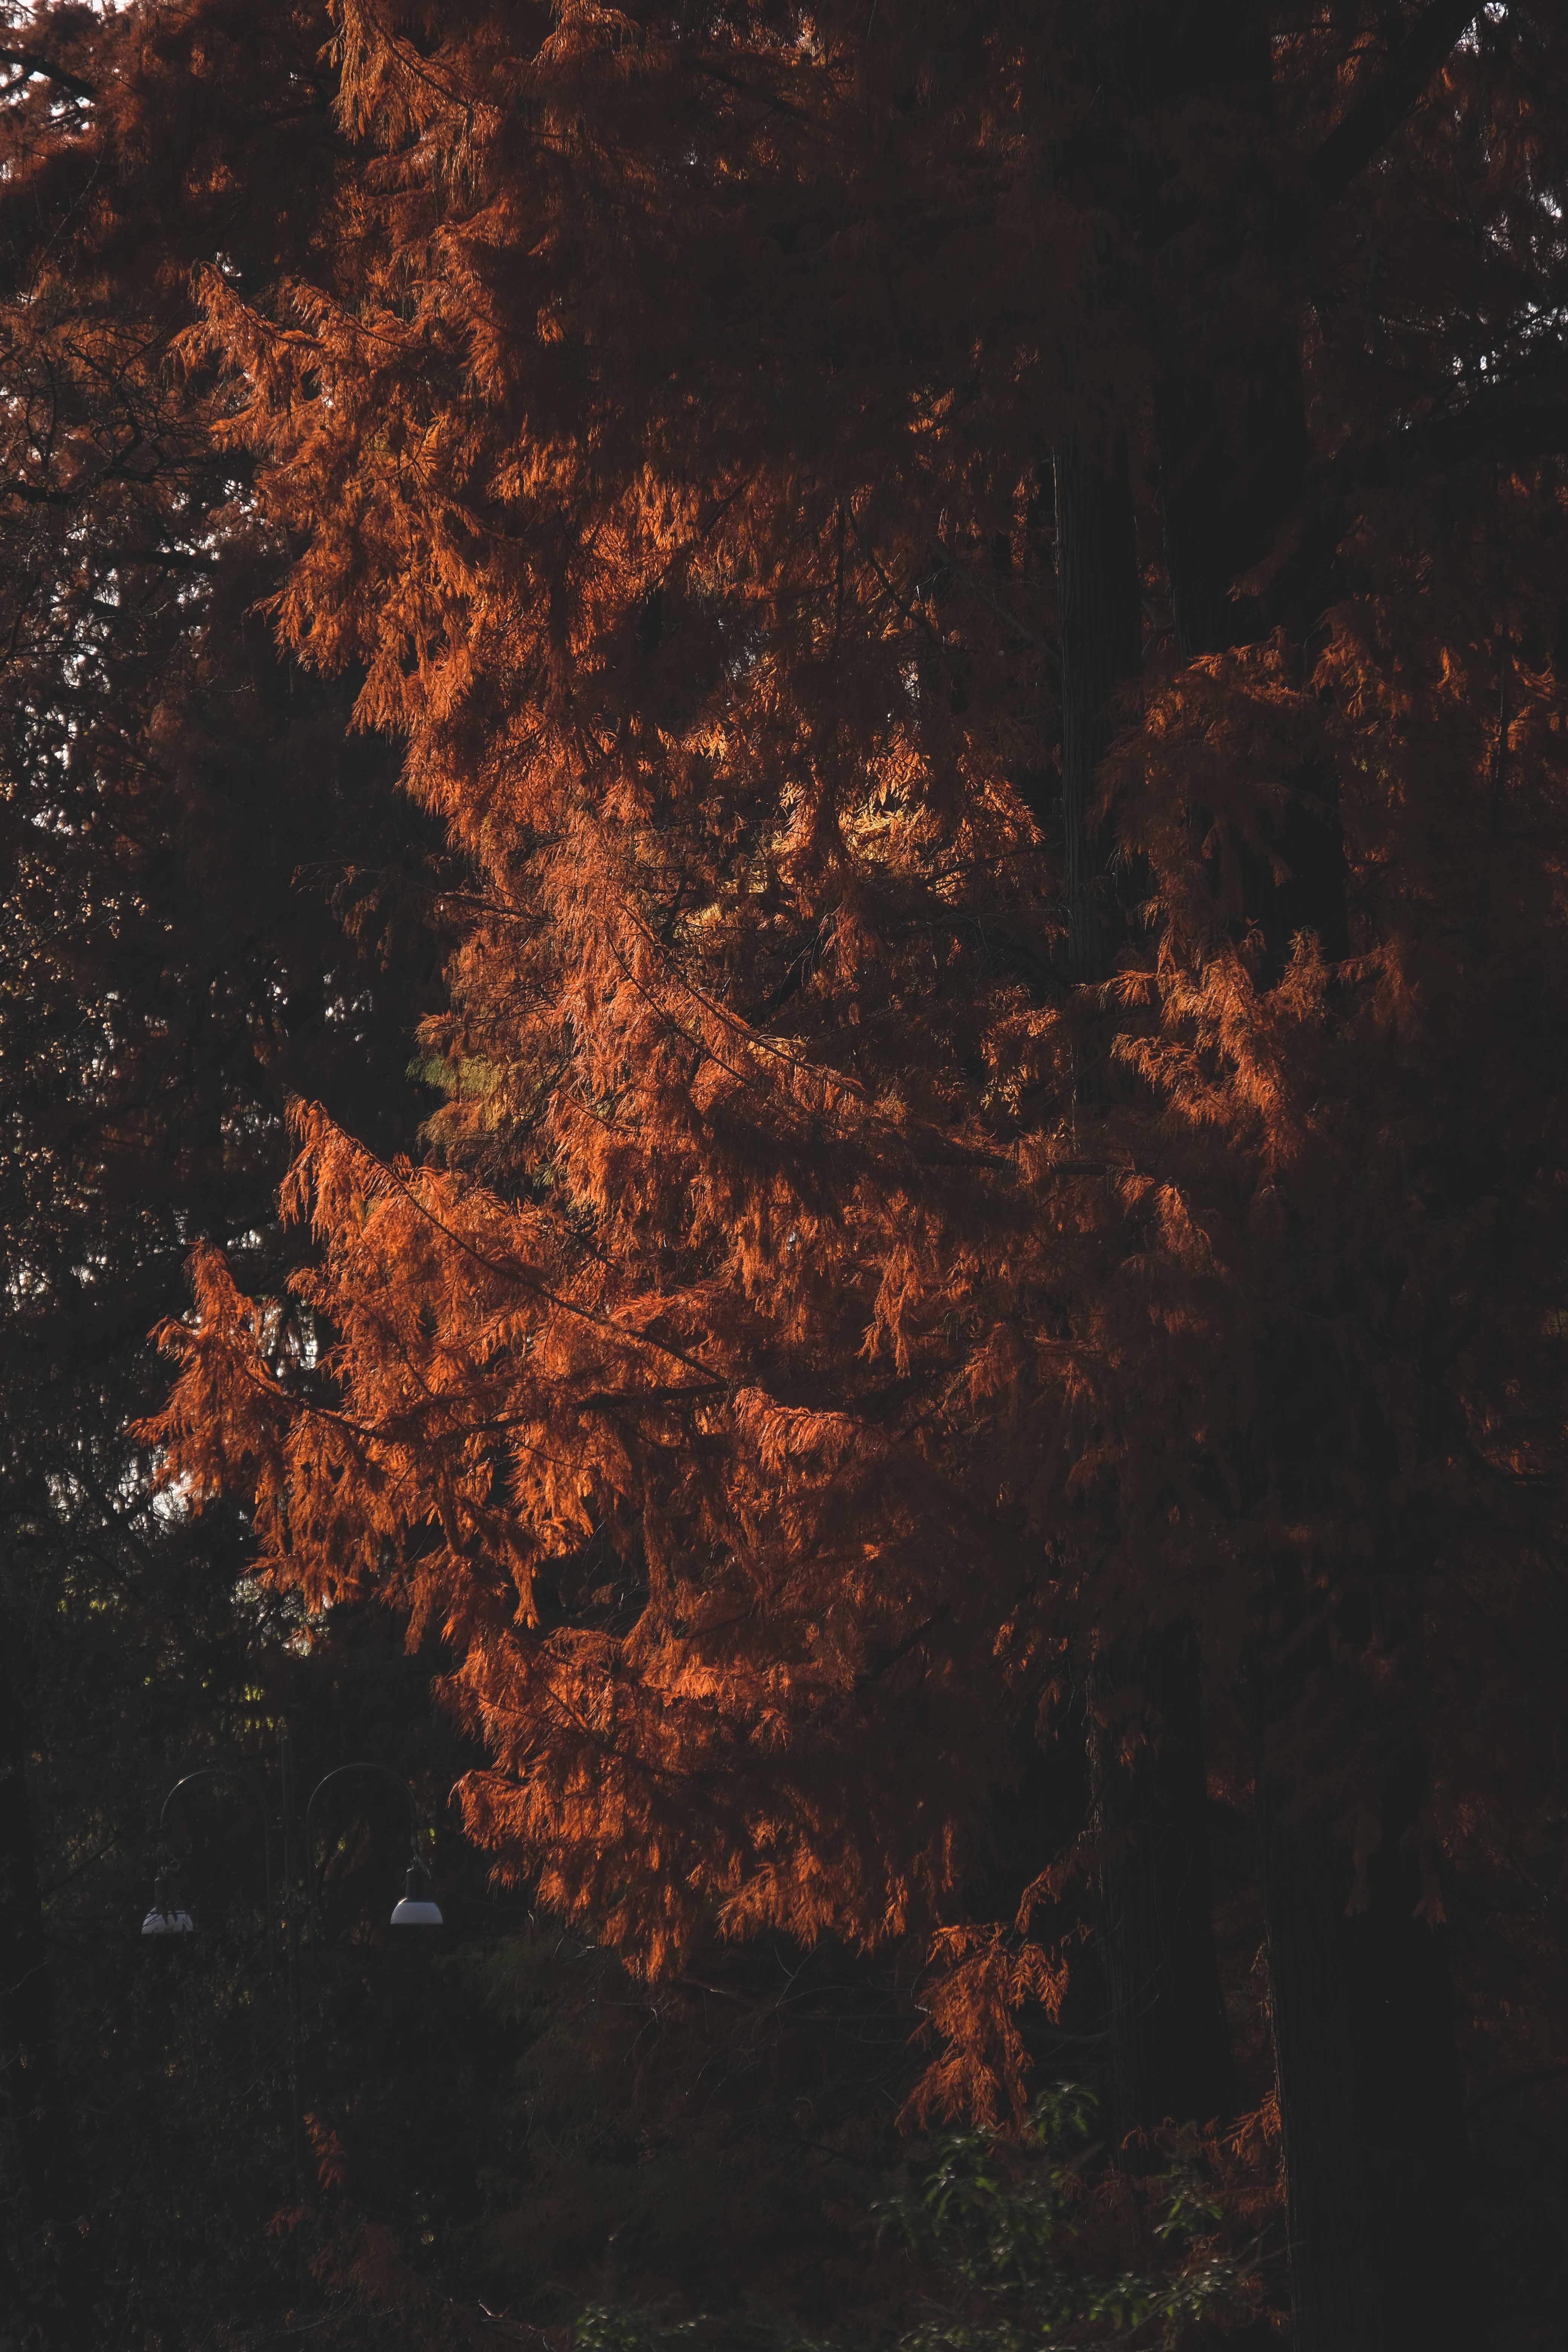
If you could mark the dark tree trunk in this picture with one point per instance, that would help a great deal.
(1232, 434)
(1364, 2051)
(1170, 2048)
(1233, 448)
(1224, 496)
(1170, 2045)
(1332, 2274)
(1364, 2037)
(1226, 486)
(1368, 2082)
(1099, 607)
(1370, 2094)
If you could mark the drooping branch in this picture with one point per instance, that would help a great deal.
(1377, 113)
(172, 558)
(1494, 428)
(1256, 490)
(1507, 431)
(46, 69)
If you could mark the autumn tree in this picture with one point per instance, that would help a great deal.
(984, 609)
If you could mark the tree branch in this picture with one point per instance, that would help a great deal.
(1494, 427)
(31, 495)
(46, 70)
(1509, 431)
(1376, 114)
(178, 557)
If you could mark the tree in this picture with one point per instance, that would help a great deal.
(780, 1354)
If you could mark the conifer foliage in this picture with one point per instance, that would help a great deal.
(968, 1141)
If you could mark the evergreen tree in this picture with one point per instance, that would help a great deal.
(946, 1171)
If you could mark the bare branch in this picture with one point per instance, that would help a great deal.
(1376, 114)
(46, 69)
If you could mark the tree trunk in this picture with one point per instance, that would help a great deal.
(1332, 2286)
(1365, 2054)
(1370, 2103)
(1170, 2048)
(1224, 492)
(1368, 2082)
(1099, 608)
(1170, 2045)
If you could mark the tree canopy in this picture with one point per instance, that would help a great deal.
(974, 599)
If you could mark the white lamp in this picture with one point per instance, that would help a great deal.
(166, 1917)
(418, 1907)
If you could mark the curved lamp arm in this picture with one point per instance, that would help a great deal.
(236, 1780)
(382, 1772)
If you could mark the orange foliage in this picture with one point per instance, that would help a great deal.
(779, 1348)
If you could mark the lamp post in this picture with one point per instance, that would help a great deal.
(403, 1911)
(417, 1908)
(168, 1918)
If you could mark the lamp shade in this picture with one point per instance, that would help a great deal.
(417, 1909)
(176, 1922)
(167, 1916)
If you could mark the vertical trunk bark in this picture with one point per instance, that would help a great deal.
(1410, 2116)
(1341, 2224)
(1170, 2045)
(1364, 2055)
(1223, 497)
(1099, 606)
(1371, 2100)
(1225, 491)
(1232, 434)
(1233, 448)
(1334, 2288)
(1369, 2094)
(1170, 2048)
